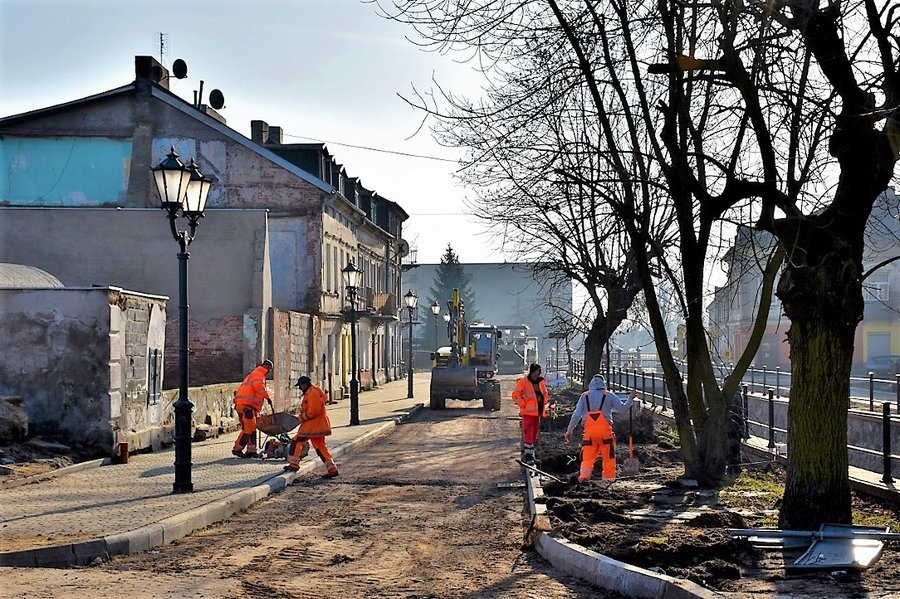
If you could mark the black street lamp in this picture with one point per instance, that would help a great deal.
(436, 310)
(182, 188)
(351, 283)
(411, 300)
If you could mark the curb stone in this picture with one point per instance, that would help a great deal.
(180, 525)
(598, 569)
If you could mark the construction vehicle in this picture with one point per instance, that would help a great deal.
(465, 369)
(517, 349)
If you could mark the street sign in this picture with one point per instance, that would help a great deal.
(557, 336)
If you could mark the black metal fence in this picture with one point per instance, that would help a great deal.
(771, 386)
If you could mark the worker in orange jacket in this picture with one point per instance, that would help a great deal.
(248, 401)
(314, 427)
(595, 408)
(530, 394)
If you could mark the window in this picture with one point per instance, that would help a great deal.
(154, 375)
(326, 267)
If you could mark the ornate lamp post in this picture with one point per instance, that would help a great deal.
(351, 283)
(436, 311)
(185, 189)
(411, 301)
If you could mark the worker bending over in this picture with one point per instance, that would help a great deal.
(595, 408)
(248, 401)
(314, 427)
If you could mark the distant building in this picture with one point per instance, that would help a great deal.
(734, 305)
(505, 293)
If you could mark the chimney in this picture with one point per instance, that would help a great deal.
(147, 68)
(259, 132)
(275, 135)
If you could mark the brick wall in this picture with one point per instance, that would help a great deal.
(216, 351)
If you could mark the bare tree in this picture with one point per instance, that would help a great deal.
(730, 118)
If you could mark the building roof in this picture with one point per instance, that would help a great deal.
(180, 104)
(19, 276)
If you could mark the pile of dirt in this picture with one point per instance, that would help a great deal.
(38, 456)
(656, 520)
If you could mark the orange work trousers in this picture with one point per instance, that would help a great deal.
(591, 449)
(298, 444)
(247, 436)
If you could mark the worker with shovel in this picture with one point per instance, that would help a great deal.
(595, 408)
(248, 401)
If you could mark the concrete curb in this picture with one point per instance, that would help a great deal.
(172, 528)
(598, 569)
(36, 478)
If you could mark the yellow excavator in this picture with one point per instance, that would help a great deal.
(465, 369)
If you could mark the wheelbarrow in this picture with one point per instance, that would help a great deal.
(276, 427)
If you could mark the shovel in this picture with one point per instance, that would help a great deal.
(631, 465)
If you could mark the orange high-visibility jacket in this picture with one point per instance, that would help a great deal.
(314, 420)
(252, 392)
(524, 396)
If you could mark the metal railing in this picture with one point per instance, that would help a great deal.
(653, 389)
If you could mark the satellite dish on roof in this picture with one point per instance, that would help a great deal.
(216, 99)
(403, 248)
(179, 69)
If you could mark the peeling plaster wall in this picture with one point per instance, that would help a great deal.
(78, 359)
(133, 248)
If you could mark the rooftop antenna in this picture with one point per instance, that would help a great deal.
(162, 39)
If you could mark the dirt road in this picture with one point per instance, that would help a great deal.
(417, 514)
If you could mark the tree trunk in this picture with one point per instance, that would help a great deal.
(594, 343)
(823, 298)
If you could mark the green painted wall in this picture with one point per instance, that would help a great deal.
(63, 171)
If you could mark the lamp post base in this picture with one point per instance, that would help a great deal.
(354, 402)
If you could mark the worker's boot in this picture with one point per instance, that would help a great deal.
(237, 452)
(305, 451)
(291, 468)
(332, 469)
(528, 454)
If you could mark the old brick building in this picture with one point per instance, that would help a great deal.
(77, 200)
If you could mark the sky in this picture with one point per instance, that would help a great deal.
(323, 70)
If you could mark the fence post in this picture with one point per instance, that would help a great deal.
(663, 381)
(643, 385)
(871, 391)
(764, 377)
(752, 376)
(771, 419)
(746, 410)
(653, 388)
(778, 381)
(897, 387)
(886, 442)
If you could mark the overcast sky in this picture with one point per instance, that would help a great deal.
(327, 70)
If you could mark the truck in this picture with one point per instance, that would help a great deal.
(517, 349)
(466, 368)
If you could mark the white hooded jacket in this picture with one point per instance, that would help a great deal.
(591, 400)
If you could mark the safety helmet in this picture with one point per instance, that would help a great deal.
(268, 364)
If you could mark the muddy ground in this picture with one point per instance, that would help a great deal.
(433, 510)
(651, 521)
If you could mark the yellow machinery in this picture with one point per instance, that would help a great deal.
(466, 369)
